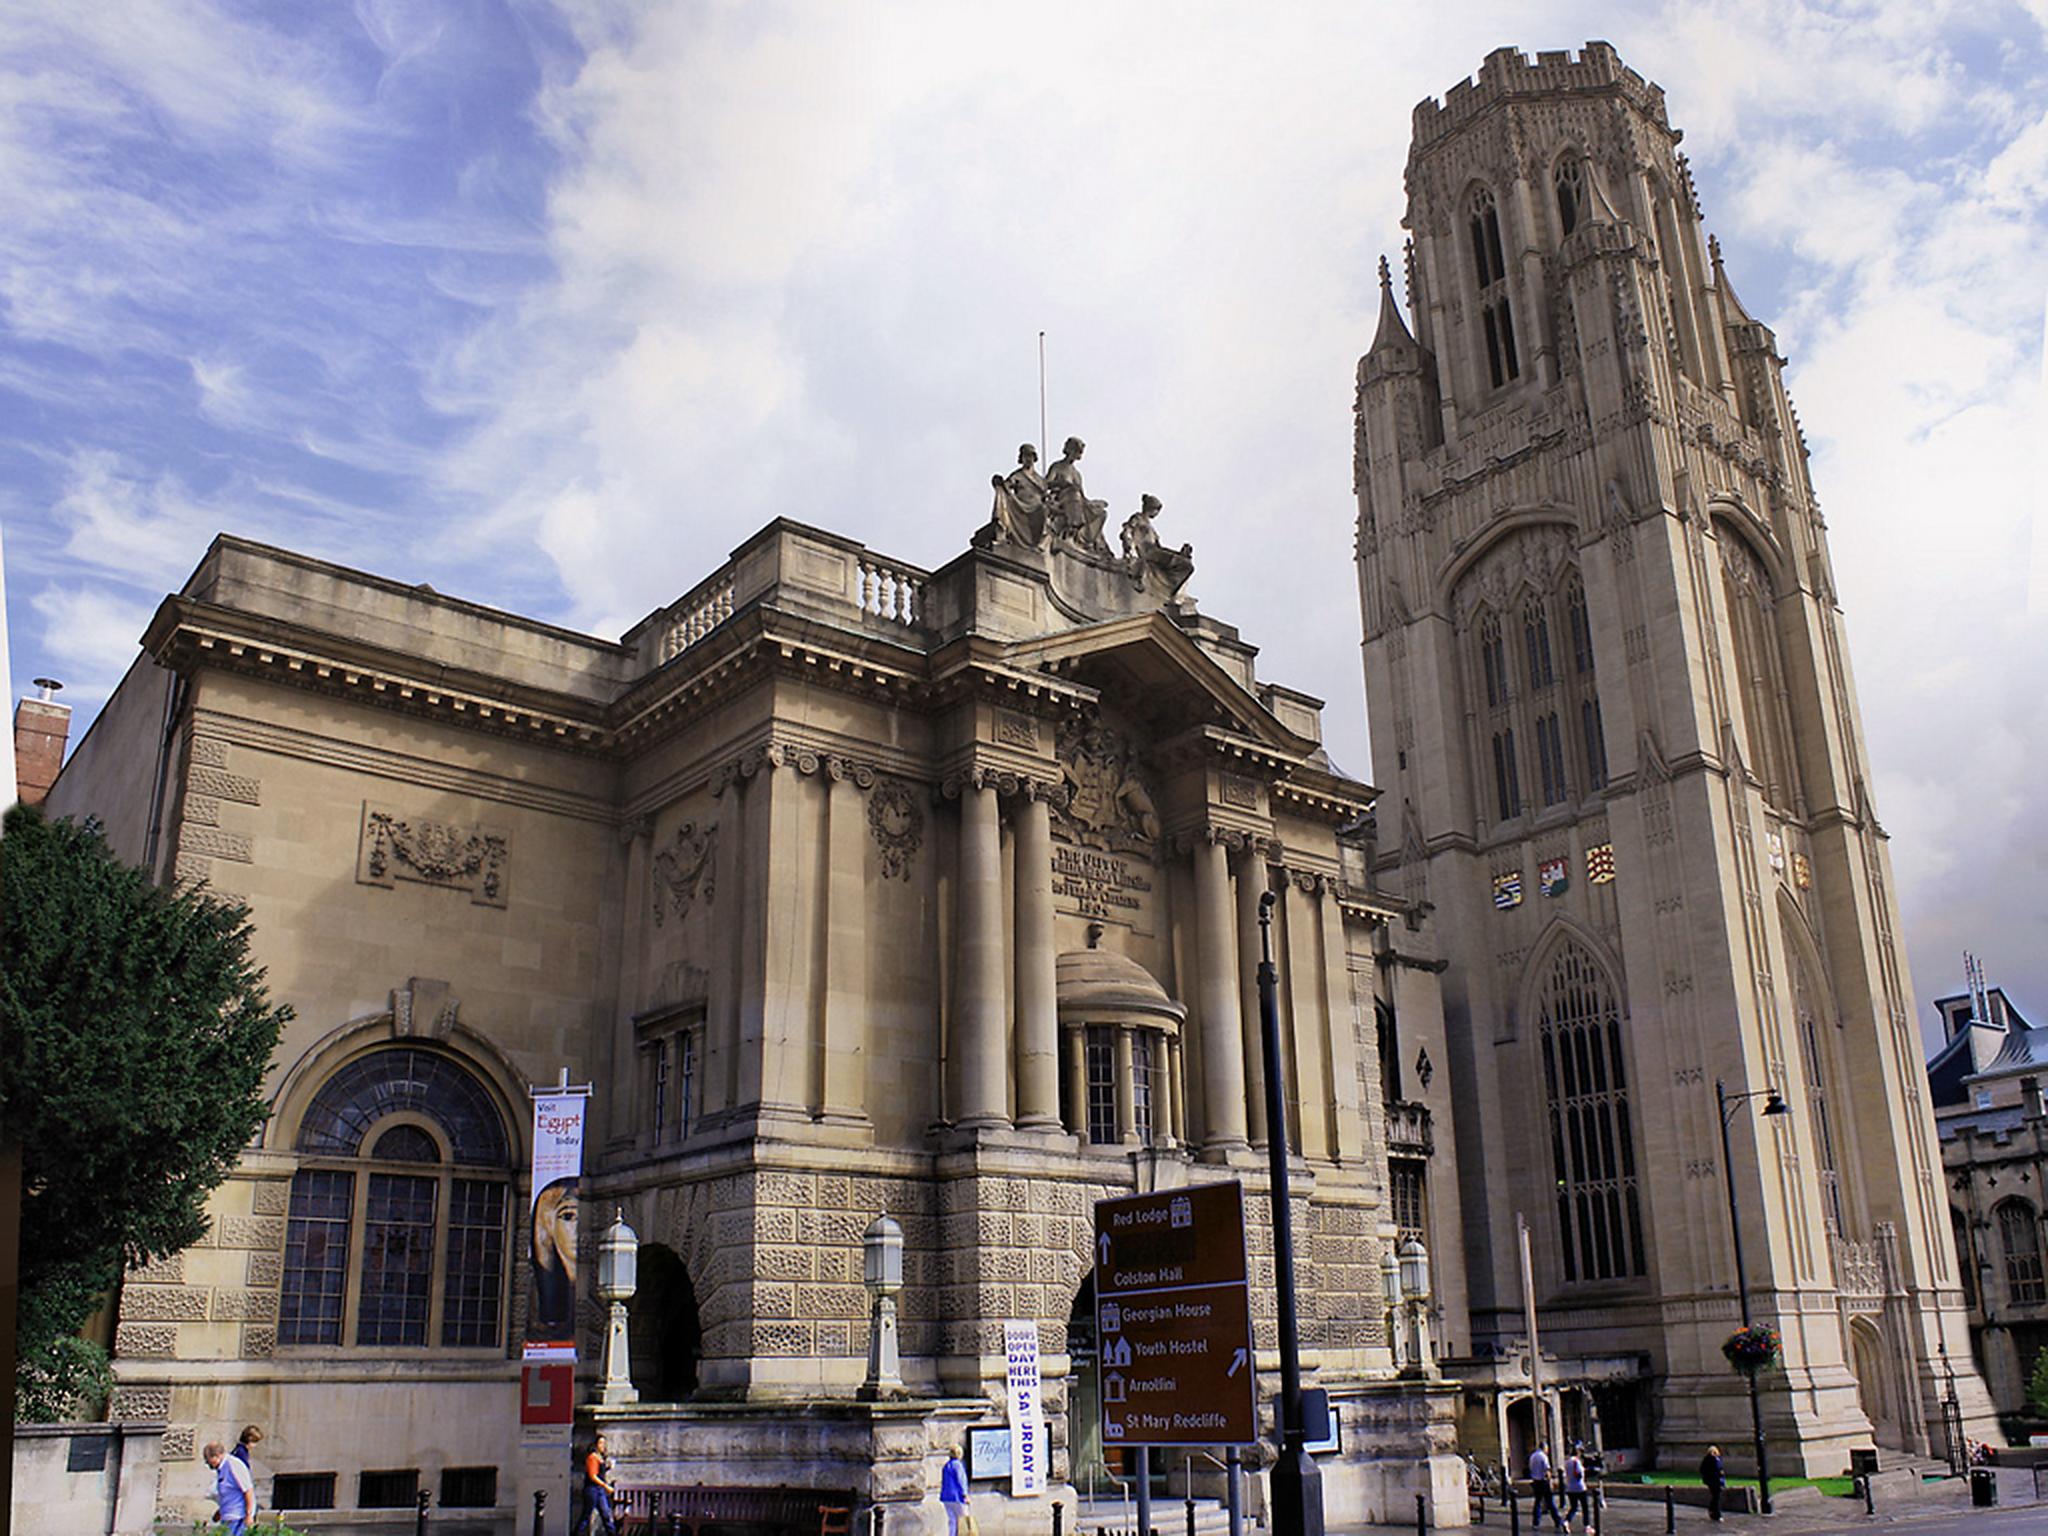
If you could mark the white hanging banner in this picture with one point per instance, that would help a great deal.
(1030, 1455)
(557, 1166)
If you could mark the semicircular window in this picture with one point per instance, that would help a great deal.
(404, 1080)
(392, 1240)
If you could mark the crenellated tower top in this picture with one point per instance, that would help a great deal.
(1508, 73)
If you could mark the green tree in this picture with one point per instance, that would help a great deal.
(2037, 1384)
(134, 1037)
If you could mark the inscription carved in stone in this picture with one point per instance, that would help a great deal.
(459, 858)
(1098, 884)
(683, 871)
(1238, 791)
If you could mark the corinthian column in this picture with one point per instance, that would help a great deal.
(1223, 1113)
(1038, 1041)
(976, 1055)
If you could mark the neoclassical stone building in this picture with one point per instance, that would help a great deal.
(854, 889)
(1622, 767)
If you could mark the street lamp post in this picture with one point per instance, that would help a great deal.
(1297, 1484)
(1774, 1104)
(618, 1275)
(882, 1273)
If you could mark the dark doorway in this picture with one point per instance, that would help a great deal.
(662, 1329)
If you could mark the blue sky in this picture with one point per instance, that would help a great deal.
(550, 307)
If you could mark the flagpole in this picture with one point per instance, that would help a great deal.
(1041, 396)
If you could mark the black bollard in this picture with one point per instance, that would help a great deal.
(875, 1520)
(1514, 1512)
(420, 1524)
(1869, 1499)
(540, 1511)
(1479, 1509)
(1421, 1515)
(1059, 1514)
(1670, 1512)
(1191, 1509)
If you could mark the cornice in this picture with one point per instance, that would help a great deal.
(397, 767)
(186, 635)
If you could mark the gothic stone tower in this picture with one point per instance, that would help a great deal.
(1625, 778)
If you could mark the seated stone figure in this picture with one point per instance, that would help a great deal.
(1071, 514)
(1019, 516)
(1146, 558)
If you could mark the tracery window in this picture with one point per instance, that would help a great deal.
(397, 1225)
(1752, 623)
(1536, 707)
(1966, 1256)
(1819, 1109)
(1489, 267)
(1570, 181)
(1592, 743)
(2019, 1236)
(1592, 1144)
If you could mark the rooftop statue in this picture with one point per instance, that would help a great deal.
(1019, 516)
(1071, 515)
(1146, 558)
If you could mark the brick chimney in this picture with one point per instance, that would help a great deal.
(42, 726)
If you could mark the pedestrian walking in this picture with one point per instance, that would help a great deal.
(234, 1490)
(1576, 1506)
(953, 1495)
(597, 1489)
(1542, 1495)
(1715, 1476)
(251, 1433)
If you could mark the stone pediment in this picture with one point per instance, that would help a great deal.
(1148, 657)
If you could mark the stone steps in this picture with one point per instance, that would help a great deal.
(1169, 1518)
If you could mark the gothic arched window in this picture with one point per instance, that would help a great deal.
(1493, 661)
(1592, 1144)
(1819, 1107)
(2019, 1237)
(1585, 689)
(397, 1227)
(1490, 271)
(1570, 181)
(1752, 623)
(1966, 1256)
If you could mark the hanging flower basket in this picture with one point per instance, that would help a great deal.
(1751, 1349)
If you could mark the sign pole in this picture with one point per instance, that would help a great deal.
(1297, 1483)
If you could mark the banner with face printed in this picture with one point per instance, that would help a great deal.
(557, 1166)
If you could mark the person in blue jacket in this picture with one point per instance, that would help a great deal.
(953, 1491)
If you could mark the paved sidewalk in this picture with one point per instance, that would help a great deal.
(1803, 1513)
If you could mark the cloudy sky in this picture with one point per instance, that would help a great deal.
(551, 307)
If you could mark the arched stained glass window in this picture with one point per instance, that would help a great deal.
(384, 1083)
(398, 1219)
(1966, 1256)
(1592, 1143)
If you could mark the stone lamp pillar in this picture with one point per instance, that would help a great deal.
(618, 1276)
(882, 1274)
(1390, 1288)
(1415, 1292)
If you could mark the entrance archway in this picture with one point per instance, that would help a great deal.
(662, 1328)
(1873, 1383)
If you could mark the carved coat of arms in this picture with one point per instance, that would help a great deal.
(1107, 804)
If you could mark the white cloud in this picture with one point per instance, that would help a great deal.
(96, 631)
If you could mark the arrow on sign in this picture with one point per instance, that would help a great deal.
(1235, 1361)
(1102, 1246)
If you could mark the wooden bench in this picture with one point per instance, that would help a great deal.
(667, 1511)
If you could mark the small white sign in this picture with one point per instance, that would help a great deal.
(1029, 1453)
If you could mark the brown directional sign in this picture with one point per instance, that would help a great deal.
(1172, 1320)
